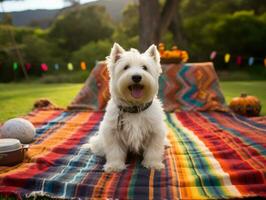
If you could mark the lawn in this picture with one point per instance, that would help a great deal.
(17, 99)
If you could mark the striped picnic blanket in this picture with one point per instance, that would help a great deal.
(213, 156)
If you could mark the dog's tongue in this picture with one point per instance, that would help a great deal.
(137, 91)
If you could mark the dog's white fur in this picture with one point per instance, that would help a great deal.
(142, 132)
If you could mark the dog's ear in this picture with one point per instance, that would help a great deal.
(116, 52)
(154, 53)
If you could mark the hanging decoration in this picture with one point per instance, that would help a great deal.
(70, 66)
(250, 61)
(56, 66)
(213, 55)
(83, 66)
(27, 66)
(44, 67)
(15, 66)
(227, 58)
(238, 60)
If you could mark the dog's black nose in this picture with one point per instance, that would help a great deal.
(136, 78)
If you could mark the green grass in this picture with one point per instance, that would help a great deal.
(17, 99)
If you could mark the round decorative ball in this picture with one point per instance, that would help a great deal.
(246, 105)
(20, 129)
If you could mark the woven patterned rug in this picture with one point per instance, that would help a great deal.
(213, 156)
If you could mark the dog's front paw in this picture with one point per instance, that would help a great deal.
(153, 165)
(114, 167)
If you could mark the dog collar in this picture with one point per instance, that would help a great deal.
(135, 109)
(129, 109)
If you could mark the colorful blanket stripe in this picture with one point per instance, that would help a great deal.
(213, 156)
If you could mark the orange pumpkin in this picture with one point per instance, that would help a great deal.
(246, 105)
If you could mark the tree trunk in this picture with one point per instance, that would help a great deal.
(167, 15)
(149, 11)
(153, 23)
(177, 30)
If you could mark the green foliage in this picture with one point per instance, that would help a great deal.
(225, 27)
(249, 30)
(37, 50)
(127, 31)
(93, 51)
(75, 28)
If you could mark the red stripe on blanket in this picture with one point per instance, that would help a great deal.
(42, 163)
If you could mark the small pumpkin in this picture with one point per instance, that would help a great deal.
(246, 105)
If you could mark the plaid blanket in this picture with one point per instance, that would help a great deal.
(213, 156)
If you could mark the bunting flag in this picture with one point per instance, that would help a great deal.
(213, 55)
(44, 67)
(83, 66)
(238, 60)
(227, 58)
(56, 66)
(70, 66)
(27, 66)
(250, 61)
(15, 66)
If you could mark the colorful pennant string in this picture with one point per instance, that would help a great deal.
(238, 60)
(44, 67)
(27, 66)
(213, 55)
(227, 58)
(15, 66)
(250, 61)
(56, 66)
(83, 66)
(70, 66)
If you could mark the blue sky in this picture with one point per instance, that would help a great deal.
(35, 4)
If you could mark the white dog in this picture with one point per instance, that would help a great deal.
(134, 116)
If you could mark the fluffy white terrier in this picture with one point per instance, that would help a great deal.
(134, 116)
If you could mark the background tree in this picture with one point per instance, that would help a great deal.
(75, 28)
(155, 18)
(126, 31)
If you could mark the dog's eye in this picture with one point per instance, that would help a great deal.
(144, 68)
(126, 67)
